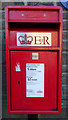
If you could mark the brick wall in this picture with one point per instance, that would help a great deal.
(63, 114)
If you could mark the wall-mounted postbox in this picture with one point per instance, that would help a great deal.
(33, 59)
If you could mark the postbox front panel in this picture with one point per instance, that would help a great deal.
(34, 59)
(33, 80)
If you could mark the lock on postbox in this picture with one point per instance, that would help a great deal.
(33, 59)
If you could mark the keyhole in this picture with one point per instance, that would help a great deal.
(18, 82)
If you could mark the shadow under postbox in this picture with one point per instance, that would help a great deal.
(33, 59)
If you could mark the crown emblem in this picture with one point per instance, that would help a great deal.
(25, 39)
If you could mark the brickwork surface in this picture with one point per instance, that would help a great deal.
(63, 115)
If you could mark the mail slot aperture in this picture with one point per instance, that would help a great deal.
(34, 35)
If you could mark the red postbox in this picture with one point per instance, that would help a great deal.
(33, 59)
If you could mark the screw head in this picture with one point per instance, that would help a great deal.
(44, 15)
(22, 14)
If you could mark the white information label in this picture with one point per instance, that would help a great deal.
(34, 80)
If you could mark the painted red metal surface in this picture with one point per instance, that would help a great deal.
(34, 15)
(18, 91)
(30, 19)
